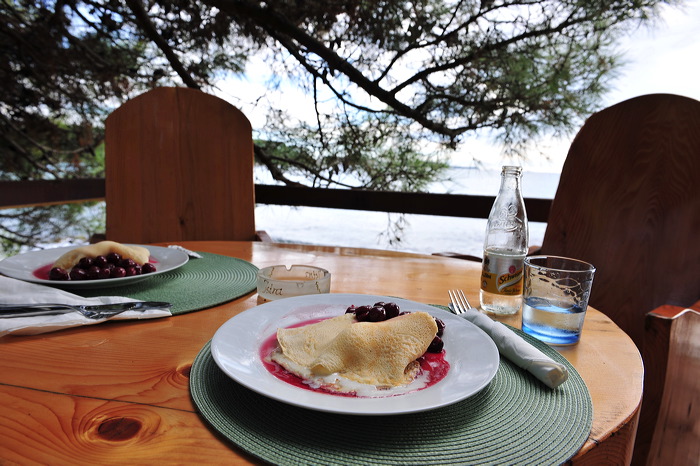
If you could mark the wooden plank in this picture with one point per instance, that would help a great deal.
(15, 194)
(446, 205)
(27, 193)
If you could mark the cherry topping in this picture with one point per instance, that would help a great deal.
(85, 263)
(392, 310)
(436, 345)
(114, 258)
(78, 274)
(362, 313)
(377, 314)
(126, 263)
(100, 261)
(57, 273)
(111, 265)
(118, 272)
(440, 326)
(148, 268)
(382, 311)
(93, 273)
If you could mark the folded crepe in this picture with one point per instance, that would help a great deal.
(138, 254)
(383, 354)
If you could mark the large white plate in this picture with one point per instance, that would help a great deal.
(22, 267)
(472, 355)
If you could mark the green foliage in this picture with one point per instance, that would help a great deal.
(376, 153)
(392, 84)
(31, 227)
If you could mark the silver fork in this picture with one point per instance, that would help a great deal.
(460, 303)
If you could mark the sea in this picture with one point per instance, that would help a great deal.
(426, 234)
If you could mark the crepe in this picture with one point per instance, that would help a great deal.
(304, 344)
(138, 254)
(383, 354)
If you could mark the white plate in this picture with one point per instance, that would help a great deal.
(472, 355)
(22, 267)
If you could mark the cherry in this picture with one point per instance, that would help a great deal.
(114, 258)
(100, 261)
(362, 313)
(104, 273)
(349, 310)
(392, 310)
(440, 326)
(148, 268)
(85, 263)
(436, 345)
(93, 273)
(377, 314)
(117, 272)
(78, 274)
(131, 271)
(57, 273)
(126, 263)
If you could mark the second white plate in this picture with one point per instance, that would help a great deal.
(23, 266)
(472, 355)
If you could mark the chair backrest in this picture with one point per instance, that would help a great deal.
(628, 202)
(669, 425)
(179, 166)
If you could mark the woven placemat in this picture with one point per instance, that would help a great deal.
(514, 420)
(199, 284)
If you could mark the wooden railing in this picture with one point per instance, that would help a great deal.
(44, 192)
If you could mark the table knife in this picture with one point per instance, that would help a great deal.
(94, 311)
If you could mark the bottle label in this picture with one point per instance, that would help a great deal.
(502, 275)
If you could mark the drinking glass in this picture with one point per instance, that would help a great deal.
(555, 298)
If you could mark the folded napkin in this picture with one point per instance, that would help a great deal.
(519, 351)
(14, 291)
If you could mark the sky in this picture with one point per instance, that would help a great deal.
(660, 58)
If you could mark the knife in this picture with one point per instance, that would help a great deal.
(95, 311)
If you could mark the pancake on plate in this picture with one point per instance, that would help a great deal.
(382, 354)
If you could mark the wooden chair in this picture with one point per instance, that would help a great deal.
(669, 424)
(179, 166)
(628, 202)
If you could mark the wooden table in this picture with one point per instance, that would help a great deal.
(118, 392)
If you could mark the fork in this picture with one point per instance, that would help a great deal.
(460, 303)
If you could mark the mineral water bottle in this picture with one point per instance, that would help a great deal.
(505, 248)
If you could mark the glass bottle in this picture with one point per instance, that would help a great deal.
(505, 248)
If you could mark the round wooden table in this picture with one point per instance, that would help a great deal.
(119, 393)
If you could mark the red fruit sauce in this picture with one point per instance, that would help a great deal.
(434, 364)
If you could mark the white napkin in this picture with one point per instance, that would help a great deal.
(14, 291)
(519, 351)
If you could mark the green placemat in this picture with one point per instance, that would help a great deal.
(514, 420)
(199, 284)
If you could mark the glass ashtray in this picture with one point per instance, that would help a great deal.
(278, 281)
